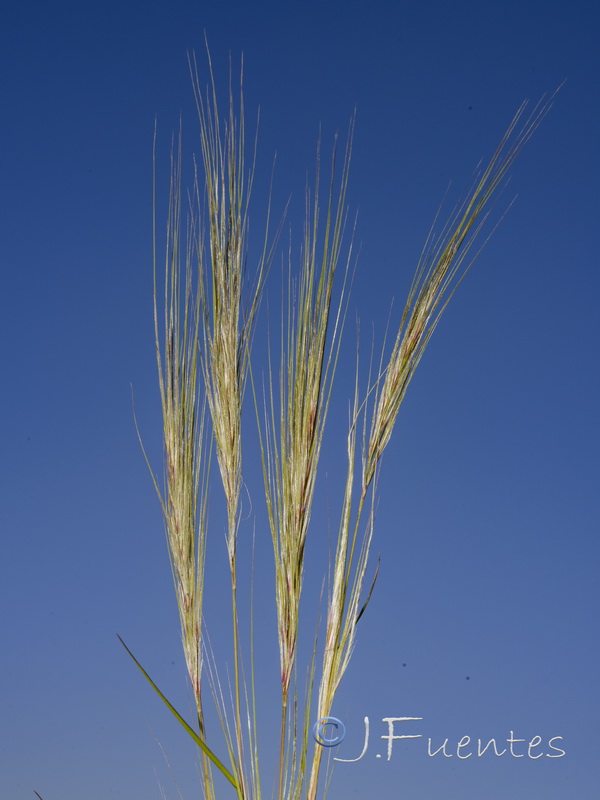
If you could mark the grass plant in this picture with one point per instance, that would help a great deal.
(204, 323)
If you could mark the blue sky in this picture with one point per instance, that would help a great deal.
(484, 618)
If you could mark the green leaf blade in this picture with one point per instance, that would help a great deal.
(202, 745)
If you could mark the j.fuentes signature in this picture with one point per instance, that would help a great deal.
(330, 731)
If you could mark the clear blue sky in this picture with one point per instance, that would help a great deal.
(485, 616)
